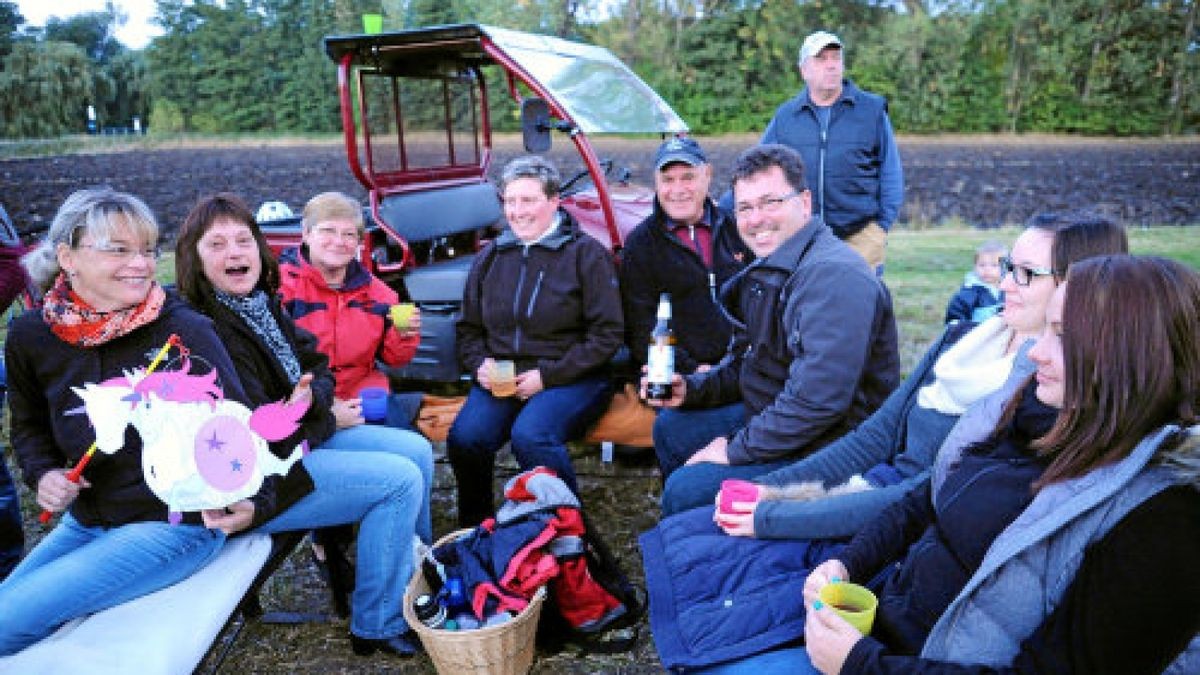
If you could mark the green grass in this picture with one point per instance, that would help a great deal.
(925, 267)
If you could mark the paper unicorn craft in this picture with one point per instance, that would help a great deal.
(199, 449)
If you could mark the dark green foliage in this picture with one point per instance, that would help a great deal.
(1125, 67)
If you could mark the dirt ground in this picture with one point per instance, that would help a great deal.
(982, 182)
(977, 181)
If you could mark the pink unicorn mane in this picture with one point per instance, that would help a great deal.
(174, 385)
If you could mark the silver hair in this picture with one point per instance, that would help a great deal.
(535, 167)
(96, 212)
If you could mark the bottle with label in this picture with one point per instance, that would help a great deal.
(660, 361)
(429, 611)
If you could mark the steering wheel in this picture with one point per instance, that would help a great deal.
(576, 182)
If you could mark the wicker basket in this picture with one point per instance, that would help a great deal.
(506, 649)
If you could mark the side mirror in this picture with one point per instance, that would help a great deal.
(535, 125)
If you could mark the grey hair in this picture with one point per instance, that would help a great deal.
(535, 167)
(98, 212)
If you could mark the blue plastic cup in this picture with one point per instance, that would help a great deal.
(374, 404)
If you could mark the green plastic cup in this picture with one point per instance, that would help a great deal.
(853, 603)
(372, 23)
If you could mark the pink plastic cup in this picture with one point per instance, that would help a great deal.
(736, 490)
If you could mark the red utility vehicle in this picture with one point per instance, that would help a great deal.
(417, 118)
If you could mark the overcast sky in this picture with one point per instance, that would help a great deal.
(135, 34)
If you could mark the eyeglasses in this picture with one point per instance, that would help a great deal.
(1022, 275)
(766, 204)
(331, 233)
(122, 253)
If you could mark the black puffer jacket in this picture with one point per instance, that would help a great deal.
(941, 537)
(655, 261)
(552, 305)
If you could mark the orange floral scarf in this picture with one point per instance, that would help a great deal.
(75, 322)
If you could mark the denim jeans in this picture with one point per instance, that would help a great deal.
(12, 537)
(78, 570)
(407, 444)
(788, 661)
(698, 484)
(383, 493)
(678, 434)
(538, 428)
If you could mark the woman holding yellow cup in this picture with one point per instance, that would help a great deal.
(1067, 542)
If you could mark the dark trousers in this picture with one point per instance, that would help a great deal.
(538, 428)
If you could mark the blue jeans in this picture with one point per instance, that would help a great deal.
(407, 444)
(12, 537)
(538, 428)
(698, 484)
(678, 434)
(77, 570)
(381, 492)
(789, 661)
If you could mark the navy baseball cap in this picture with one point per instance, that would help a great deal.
(679, 149)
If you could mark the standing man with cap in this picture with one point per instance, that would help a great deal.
(686, 247)
(849, 151)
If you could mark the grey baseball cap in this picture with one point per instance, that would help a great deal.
(813, 44)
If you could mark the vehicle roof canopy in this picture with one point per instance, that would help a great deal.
(596, 89)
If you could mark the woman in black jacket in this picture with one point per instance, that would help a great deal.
(544, 296)
(103, 313)
(223, 267)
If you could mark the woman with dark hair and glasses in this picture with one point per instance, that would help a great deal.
(544, 296)
(1096, 573)
(103, 313)
(224, 268)
(952, 399)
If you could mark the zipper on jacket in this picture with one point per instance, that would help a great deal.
(537, 286)
(821, 163)
(517, 302)
(712, 287)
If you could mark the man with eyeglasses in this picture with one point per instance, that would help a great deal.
(814, 348)
(687, 247)
(849, 150)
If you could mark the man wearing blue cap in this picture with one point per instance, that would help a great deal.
(687, 247)
(849, 151)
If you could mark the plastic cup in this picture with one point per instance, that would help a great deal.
(401, 314)
(504, 379)
(856, 604)
(372, 23)
(736, 490)
(374, 404)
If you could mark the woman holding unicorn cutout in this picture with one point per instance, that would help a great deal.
(104, 315)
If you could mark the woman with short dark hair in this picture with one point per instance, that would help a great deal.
(544, 296)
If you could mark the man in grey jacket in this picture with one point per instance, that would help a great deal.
(814, 348)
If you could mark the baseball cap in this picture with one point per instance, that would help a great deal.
(679, 149)
(813, 44)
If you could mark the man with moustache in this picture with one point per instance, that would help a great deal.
(814, 347)
(686, 247)
(849, 150)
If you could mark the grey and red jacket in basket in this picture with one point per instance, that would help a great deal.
(536, 538)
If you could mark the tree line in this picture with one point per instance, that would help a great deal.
(1123, 67)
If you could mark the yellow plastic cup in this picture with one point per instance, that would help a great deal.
(852, 602)
(372, 23)
(401, 314)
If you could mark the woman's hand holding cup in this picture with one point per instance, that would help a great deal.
(828, 572)
(406, 317)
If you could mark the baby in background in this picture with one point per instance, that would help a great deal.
(980, 297)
